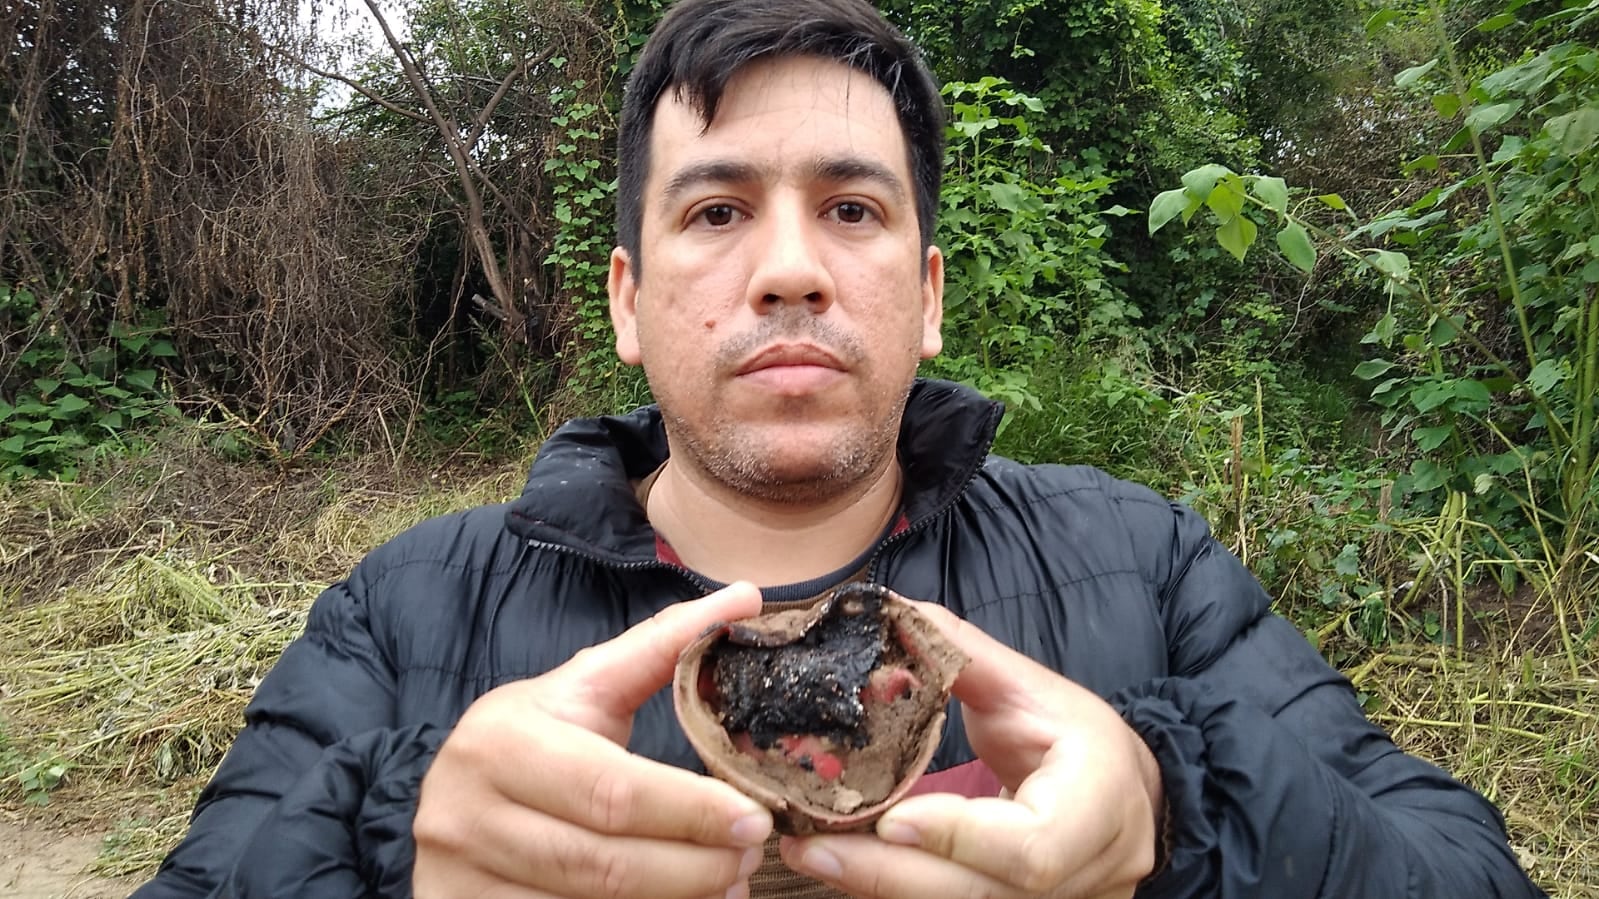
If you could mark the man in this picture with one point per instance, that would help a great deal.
(478, 710)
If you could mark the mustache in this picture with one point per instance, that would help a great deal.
(797, 325)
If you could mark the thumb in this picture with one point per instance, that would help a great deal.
(617, 676)
(997, 677)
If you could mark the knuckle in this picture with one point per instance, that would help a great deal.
(432, 829)
(611, 798)
(614, 877)
(1039, 867)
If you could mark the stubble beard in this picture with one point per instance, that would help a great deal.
(742, 462)
(741, 458)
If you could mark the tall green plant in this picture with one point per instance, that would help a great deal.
(1023, 239)
(1487, 359)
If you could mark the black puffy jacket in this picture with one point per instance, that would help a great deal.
(1277, 785)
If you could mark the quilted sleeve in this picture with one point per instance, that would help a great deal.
(316, 796)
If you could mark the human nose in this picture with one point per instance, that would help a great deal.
(789, 266)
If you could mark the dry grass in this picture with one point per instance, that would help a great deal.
(138, 614)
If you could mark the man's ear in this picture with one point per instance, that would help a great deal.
(933, 304)
(622, 285)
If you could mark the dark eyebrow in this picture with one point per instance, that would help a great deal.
(716, 171)
(854, 168)
(831, 168)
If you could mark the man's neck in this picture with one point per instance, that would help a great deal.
(727, 536)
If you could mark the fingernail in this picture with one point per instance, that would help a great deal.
(748, 864)
(752, 829)
(820, 862)
(739, 890)
(899, 832)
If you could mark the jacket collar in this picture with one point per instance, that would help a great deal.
(579, 493)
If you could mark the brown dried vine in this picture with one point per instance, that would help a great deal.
(174, 158)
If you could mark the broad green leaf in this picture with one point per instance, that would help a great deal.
(1430, 396)
(1273, 192)
(1385, 386)
(1296, 247)
(1484, 118)
(1008, 197)
(46, 386)
(1545, 376)
(1448, 105)
(1428, 163)
(1575, 131)
(111, 421)
(1371, 368)
(1380, 20)
(1472, 391)
(142, 378)
(69, 404)
(6, 409)
(14, 445)
(1443, 331)
(1495, 23)
(1395, 265)
(1227, 198)
(1414, 74)
(1332, 201)
(1426, 475)
(1166, 206)
(1429, 439)
(1202, 181)
(1236, 235)
(1383, 331)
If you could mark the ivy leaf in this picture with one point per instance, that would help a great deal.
(1333, 201)
(1296, 246)
(1236, 235)
(1274, 193)
(1166, 206)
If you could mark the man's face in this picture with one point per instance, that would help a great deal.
(781, 307)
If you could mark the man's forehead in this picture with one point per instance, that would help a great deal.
(830, 120)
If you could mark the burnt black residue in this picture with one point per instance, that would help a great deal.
(811, 686)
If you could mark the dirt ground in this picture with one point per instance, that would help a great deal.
(40, 862)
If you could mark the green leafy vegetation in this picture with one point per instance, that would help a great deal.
(1326, 271)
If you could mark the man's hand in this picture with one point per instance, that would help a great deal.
(533, 794)
(1080, 821)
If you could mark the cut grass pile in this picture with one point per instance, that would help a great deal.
(138, 613)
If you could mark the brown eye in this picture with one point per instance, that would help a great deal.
(718, 216)
(850, 213)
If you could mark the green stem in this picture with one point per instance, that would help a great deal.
(1462, 90)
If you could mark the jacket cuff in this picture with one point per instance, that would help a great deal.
(344, 828)
(1178, 746)
(384, 840)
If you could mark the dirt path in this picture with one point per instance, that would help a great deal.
(38, 862)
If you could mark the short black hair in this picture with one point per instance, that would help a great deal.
(701, 44)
